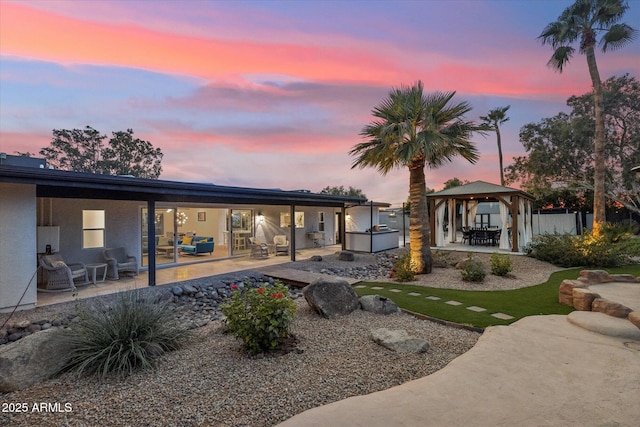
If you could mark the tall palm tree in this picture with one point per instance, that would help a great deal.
(493, 120)
(414, 130)
(582, 21)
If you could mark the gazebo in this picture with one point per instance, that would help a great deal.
(515, 212)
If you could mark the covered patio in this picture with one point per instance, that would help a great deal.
(452, 216)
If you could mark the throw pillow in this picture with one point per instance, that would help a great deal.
(203, 241)
(58, 264)
(187, 240)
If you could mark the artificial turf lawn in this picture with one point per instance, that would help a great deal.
(519, 303)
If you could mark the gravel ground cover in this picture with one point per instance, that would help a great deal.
(212, 382)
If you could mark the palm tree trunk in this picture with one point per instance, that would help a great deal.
(599, 217)
(500, 155)
(419, 233)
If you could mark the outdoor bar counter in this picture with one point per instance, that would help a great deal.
(376, 241)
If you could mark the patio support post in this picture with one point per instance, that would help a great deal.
(515, 202)
(432, 221)
(151, 240)
(343, 227)
(292, 227)
(371, 228)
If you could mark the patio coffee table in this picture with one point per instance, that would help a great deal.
(167, 249)
(92, 269)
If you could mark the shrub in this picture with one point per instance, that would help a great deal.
(473, 270)
(261, 317)
(611, 249)
(128, 334)
(402, 269)
(500, 264)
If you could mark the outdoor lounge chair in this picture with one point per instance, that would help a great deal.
(282, 244)
(60, 276)
(258, 250)
(119, 262)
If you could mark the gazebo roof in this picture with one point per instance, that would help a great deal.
(478, 189)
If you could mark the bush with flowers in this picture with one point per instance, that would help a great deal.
(261, 317)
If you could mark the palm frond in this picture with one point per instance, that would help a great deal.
(618, 36)
(561, 56)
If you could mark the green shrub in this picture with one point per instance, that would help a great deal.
(473, 270)
(500, 264)
(128, 334)
(402, 269)
(261, 317)
(610, 249)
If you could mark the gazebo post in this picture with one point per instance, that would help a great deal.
(432, 222)
(514, 218)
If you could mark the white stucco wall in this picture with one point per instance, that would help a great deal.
(18, 258)
(359, 218)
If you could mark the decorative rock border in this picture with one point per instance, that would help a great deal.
(576, 293)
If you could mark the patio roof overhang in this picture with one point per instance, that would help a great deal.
(65, 184)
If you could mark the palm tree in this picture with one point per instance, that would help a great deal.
(414, 130)
(582, 21)
(493, 120)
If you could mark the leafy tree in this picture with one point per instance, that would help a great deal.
(128, 156)
(559, 158)
(582, 21)
(415, 130)
(493, 120)
(341, 191)
(75, 150)
(83, 150)
(454, 182)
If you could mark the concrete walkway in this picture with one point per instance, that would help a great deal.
(539, 371)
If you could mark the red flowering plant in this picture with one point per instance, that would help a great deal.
(259, 318)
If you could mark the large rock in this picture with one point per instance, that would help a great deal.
(634, 317)
(611, 308)
(331, 297)
(399, 340)
(346, 256)
(594, 276)
(28, 361)
(583, 298)
(565, 293)
(378, 304)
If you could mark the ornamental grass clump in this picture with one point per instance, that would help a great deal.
(129, 333)
(500, 264)
(261, 317)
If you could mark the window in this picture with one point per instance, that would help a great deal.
(92, 229)
(320, 221)
(285, 219)
(241, 221)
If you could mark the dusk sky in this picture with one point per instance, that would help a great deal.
(274, 94)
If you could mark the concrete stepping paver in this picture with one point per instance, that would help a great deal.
(377, 288)
(433, 298)
(502, 316)
(361, 286)
(414, 294)
(476, 308)
(452, 302)
(395, 290)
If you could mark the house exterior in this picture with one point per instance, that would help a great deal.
(80, 214)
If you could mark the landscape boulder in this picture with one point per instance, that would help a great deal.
(346, 256)
(331, 297)
(634, 317)
(611, 308)
(29, 361)
(583, 299)
(398, 340)
(378, 304)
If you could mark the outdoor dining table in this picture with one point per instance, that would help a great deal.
(484, 236)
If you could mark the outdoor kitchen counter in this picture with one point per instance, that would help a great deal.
(376, 241)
